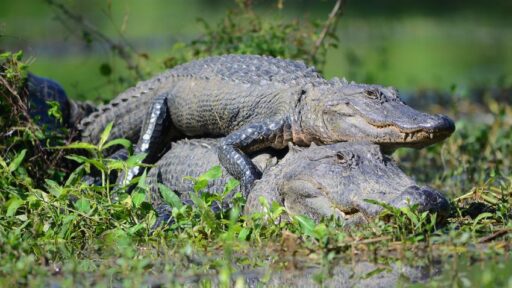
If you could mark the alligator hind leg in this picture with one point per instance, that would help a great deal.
(154, 135)
(250, 138)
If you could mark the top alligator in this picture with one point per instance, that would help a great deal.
(257, 102)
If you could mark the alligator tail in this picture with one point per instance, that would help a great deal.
(123, 111)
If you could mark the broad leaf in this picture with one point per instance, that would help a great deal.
(230, 185)
(83, 205)
(137, 198)
(104, 135)
(169, 196)
(306, 223)
(77, 145)
(121, 141)
(17, 160)
(136, 159)
(214, 173)
(12, 206)
(200, 185)
(244, 233)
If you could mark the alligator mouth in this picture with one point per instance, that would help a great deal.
(393, 135)
(412, 137)
(347, 214)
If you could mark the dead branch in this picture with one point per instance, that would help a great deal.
(122, 49)
(335, 14)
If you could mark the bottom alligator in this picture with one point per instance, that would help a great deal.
(317, 181)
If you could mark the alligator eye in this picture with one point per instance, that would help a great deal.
(372, 94)
(341, 158)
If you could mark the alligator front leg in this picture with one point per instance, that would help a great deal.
(233, 147)
(153, 136)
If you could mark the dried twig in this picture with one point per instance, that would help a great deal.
(336, 12)
(18, 101)
(494, 235)
(122, 49)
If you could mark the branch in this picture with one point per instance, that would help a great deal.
(121, 49)
(333, 16)
(20, 103)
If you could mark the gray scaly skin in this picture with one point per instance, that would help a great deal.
(258, 102)
(317, 181)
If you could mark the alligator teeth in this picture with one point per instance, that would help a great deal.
(431, 135)
(405, 136)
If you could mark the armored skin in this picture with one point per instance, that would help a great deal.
(317, 181)
(256, 102)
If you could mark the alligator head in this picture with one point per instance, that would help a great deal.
(361, 112)
(338, 179)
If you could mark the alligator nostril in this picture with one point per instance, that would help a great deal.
(445, 124)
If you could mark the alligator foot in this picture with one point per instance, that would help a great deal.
(152, 141)
(250, 138)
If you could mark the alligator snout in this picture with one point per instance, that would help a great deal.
(441, 123)
(426, 198)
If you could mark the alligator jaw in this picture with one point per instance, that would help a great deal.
(347, 215)
(394, 136)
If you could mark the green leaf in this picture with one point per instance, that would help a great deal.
(230, 185)
(12, 206)
(136, 159)
(5, 55)
(104, 135)
(481, 217)
(77, 158)
(98, 164)
(306, 223)
(407, 211)
(244, 233)
(117, 238)
(134, 229)
(18, 55)
(75, 176)
(17, 161)
(276, 210)
(3, 163)
(137, 198)
(54, 110)
(320, 231)
(54, 188)
(115, 164)
(169, 196)
(384, 205)
(200, 185)
(77, 145)
(214, 173)
(121, 141)
(83, 205)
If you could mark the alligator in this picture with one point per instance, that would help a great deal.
(41, 90)
(256, 102)
(318, 181)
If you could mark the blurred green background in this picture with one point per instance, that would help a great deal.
(408, 44)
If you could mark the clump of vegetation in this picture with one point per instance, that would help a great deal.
(243, 31)
(20, 131)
